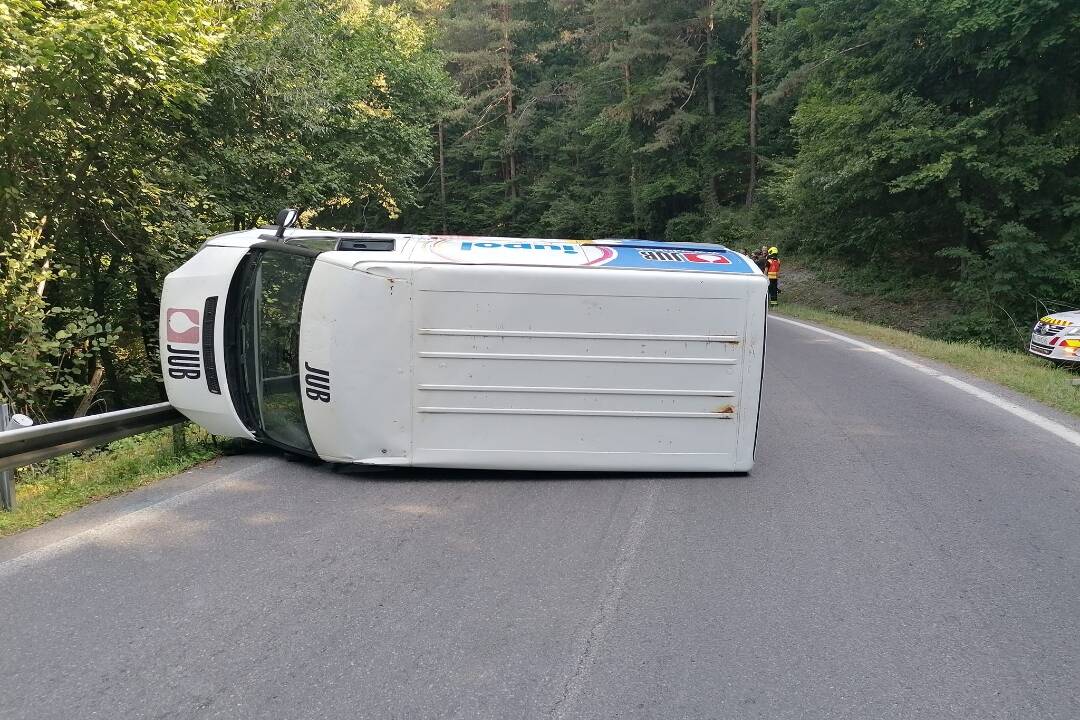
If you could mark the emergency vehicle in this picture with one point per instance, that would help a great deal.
(470, 352)
(1057, 337)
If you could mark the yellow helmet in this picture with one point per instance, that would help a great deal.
(773, 251)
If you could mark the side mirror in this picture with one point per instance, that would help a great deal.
(286, 219)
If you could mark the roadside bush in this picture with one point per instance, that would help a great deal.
(44, 349)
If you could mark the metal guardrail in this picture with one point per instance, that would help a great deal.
(25, 446)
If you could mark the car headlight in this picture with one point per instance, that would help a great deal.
(1074, 330)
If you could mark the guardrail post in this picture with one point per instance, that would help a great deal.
(179, 439)
(7, 477)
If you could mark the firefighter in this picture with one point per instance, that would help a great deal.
(772, 269)
(759, 255)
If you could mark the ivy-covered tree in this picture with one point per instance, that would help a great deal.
(45, 349)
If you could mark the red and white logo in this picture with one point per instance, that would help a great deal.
(682, 256)
(704, 257)
(182, 326)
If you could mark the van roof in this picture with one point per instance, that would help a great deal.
(607, 253)
(616, 253)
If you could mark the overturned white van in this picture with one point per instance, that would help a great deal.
(471, 352)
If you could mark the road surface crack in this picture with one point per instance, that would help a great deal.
(604, 613)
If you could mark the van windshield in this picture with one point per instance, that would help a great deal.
(269, 345)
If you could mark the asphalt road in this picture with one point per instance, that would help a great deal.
(902, 550)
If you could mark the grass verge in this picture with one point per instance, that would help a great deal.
(1017, 371)
(50, 489)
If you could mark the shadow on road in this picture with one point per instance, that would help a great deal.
(374, 473)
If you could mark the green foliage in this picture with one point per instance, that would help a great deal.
(324, 105)
(44, 349)
(604, 119)
(943, 137)
(93, 100)
(928, 139)
(132, 129)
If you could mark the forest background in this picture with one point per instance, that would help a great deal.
(934, 143)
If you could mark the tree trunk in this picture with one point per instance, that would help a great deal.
(97, 303)
(710, 28)
(713, 192)
(148, 307)
(179, 439)
(508, 82)
(633, 159)
(95, 384)
(755, 22)
(34, 237)
(109, 365)
(442, 178)
(41, 285)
